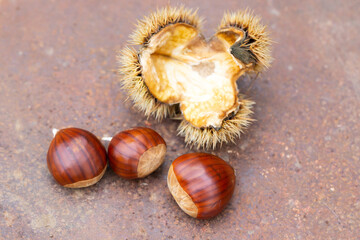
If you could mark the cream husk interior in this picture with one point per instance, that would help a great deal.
(180, 66)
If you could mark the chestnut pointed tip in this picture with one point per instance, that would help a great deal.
(54, 131)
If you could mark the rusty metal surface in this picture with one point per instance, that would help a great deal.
(297, 167)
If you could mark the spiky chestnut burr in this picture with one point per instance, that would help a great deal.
(176, 71)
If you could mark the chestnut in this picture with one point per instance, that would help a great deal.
(136, 153)
(76, 158)
(201, 183)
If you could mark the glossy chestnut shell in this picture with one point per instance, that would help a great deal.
(76, 158)
(136, 153)
(201, 183)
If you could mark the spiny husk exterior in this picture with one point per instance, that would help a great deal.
(161, 18)
(138, 92)
(230, 130)
(250, 23)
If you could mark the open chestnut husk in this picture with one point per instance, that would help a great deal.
(176, 72)
(201, 183)
(76, 158)
(136, 153)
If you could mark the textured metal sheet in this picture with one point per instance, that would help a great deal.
(297, 167)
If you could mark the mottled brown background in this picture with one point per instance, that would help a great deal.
(297, 167)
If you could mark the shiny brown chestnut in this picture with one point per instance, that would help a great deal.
(136, 153)
(76, 158)
(201, 183)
